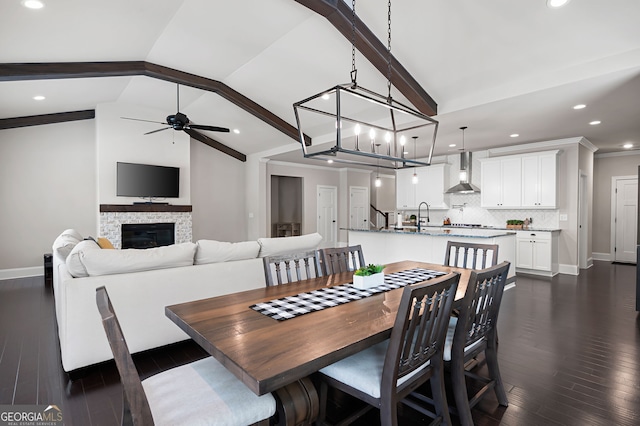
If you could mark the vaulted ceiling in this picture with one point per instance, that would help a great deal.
(497, 66)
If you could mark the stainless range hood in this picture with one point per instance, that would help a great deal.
(464, 187)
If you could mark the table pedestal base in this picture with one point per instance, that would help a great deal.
(296, 404)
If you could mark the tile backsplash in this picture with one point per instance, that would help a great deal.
(467, 210)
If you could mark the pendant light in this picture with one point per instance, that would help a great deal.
(464, 187)
(345, 112)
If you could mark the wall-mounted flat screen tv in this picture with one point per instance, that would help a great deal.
(147, 181)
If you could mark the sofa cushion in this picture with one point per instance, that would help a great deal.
(75, 260)
(211, 251)
(277, 246)
(66, 242)
(107, 262)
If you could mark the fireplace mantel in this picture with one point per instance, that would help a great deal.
(143, 208)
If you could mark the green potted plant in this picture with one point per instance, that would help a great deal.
(368, 276)
(515, 224)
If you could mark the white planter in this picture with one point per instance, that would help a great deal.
(363, 282)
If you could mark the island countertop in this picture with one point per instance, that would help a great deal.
(439, 232)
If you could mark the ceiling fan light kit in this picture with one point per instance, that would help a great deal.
(345, 120)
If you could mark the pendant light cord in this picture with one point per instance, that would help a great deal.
(354, 71)
(389, 49)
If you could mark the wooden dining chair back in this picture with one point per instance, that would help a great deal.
(341, 259)
(203, 392)
(385, 374)
(470, 255)
(475, 331)
(292, 267)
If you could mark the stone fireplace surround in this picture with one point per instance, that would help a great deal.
(112, 216)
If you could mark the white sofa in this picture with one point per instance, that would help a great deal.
(142, 282)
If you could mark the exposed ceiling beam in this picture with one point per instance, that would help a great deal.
(61, 70)
(36, 120)
(215, 144)
(339, 14)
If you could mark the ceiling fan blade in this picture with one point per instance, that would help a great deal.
(138, 119)
(158, 130)
(210, 128)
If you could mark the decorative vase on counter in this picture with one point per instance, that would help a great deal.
(367, 281)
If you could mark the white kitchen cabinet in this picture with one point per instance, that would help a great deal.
(539, 180)
(433, 181)
(526, 181)
(501, 182)
(537, 252)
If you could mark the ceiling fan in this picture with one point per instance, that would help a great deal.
(179, 121)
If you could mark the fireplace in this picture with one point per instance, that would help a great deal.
(147, 235)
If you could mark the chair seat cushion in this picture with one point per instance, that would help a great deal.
(363, 371)
(448, 343)
(204, 393)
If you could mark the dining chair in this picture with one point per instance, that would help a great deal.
(470, 255)
(203, 392)
(474, 332)
(385, 374)
(305, 265)
(341, 259)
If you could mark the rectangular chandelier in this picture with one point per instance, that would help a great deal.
(350, 124)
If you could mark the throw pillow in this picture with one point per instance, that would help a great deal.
(277, 246)
(75, 260)
(104, 243)
(211, 251)
(65, 242)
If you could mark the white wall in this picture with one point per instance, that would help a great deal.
(47, 184)
(217, 195)
(124, 141)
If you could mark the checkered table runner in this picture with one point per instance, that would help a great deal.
(317, 300)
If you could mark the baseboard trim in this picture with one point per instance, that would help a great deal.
(33, 271)
(602, 256)
(568, 269)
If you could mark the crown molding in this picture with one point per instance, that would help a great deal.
(579, 140)
(618, 154)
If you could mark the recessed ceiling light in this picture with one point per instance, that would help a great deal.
(330, 161)
(325, 96)
(33, 4)
(554, 4)
(39, 98)
(514, 135)
(452, 145)
(627, 145)
(595, 122)
(579, 106)
(236, 131)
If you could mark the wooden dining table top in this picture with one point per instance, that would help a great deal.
(267, 354)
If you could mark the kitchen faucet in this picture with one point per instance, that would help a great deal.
(419, 206)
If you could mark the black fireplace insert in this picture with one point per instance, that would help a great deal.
(147, 235)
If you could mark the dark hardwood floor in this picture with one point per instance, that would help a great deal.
(569, 354)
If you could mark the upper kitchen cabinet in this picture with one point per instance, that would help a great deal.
(519, 181)
(539, 180)
(501, 182)
(433, 181)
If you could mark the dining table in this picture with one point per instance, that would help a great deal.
(278, 356)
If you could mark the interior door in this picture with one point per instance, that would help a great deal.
(358, 207)
(626, 220)
(328, 215)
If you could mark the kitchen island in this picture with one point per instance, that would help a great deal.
(429, 245)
